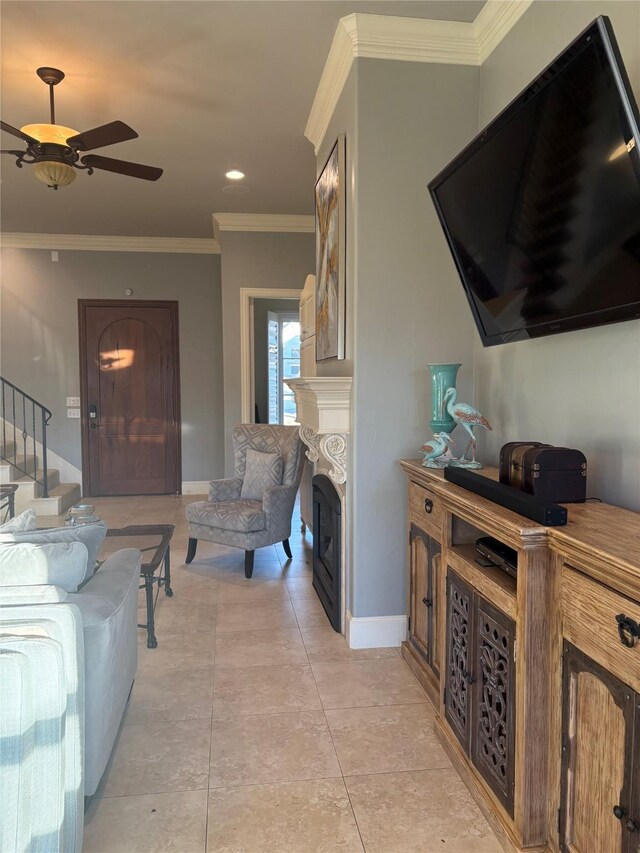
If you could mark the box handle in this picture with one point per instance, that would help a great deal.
(628, 630)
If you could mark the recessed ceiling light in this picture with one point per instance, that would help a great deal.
(234, 175)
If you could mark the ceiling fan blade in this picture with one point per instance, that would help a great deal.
(122, 167)
(18, 133)
(98, 137)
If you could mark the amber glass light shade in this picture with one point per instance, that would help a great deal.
(56, 133)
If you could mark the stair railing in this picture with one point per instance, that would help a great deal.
(24, 425)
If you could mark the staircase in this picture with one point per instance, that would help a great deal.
(23, 455)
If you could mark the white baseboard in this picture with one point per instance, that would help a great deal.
(195, 487)
(375, 632)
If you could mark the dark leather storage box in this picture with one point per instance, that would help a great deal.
(557, 474)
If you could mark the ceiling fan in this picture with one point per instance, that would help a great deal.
(54, 150)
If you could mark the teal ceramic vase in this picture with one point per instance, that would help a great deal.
(443, 376)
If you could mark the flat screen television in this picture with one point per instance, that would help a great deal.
(542, 209)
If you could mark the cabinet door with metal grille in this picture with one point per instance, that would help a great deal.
(493, 725)
(598, 807)
(457, 699)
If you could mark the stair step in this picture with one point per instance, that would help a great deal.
(10, 472)
(28, 488)
(8, 449)
(61, 497)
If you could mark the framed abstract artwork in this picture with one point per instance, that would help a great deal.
(330, 255)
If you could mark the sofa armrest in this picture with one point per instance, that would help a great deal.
(106, 591)
(225, 490)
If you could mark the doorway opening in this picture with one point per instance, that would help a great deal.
(255, 305)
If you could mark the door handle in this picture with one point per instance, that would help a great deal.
(93, 415)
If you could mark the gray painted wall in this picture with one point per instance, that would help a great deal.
(410, 309)
(251, 259)
(405, 308)
(344, 120)
(578, 389)
(261, 308)
(39, 336)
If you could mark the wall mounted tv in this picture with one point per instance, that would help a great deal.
(542, 209)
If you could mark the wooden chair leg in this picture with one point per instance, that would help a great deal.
(248, 563)
(191, 549)
(287, 549)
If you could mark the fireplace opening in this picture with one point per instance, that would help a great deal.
(327, 550)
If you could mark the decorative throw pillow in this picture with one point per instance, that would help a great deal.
(62, 564)
(25, 521)
(264, 471)
(90, 535)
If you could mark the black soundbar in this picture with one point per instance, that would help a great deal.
(544, 512)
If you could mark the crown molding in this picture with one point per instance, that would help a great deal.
(413, 39)
(269, 222)
(332, 81)
(494, 21)
(406, 40)
(105, 243)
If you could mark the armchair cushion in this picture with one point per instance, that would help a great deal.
(239, 516)
(90, 535)
(25, 521)
(62, 564)
(263, 471)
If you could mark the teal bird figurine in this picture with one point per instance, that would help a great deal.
(434, 449)
(468, 418)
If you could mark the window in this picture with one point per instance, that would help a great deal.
(283, 336)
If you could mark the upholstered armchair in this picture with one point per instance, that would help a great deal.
(254, 508)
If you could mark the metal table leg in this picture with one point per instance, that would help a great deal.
(150, 626)
(167, 573)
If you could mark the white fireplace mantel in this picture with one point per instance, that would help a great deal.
(324, 413)
(323, 403)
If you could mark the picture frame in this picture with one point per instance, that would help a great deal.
(330, 255)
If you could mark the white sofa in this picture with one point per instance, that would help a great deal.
(105, 609)
(108, 605)
(41, 721)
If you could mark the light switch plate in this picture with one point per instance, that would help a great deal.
(73, 413)
(73, 401)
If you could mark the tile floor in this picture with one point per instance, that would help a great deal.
(253, 728)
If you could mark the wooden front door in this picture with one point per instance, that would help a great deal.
(130, 397)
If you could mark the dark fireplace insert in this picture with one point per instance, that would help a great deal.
(327, 551)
